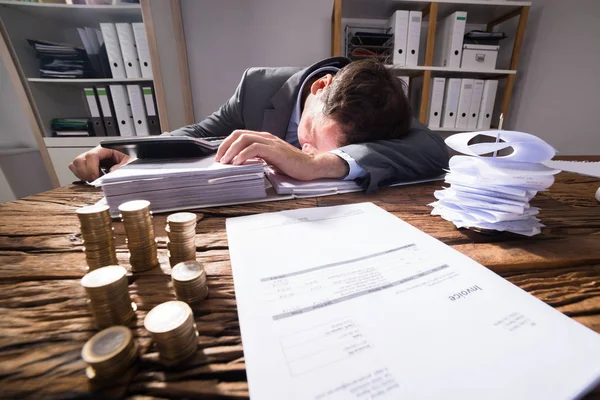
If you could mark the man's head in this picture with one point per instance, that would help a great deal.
(363, 102)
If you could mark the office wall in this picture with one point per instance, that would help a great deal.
(225, 37)
(21, 174)
(557, 90)
(14, 126)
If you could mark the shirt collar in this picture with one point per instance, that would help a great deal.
(297, 112)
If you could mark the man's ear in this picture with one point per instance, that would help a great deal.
(321, 83)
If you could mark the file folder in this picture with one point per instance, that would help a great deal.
(92, 102)
(413, 38)
(130, 56)
(449, 40)
(435, 102)
(122, 110)
(450, 108)
(138, 110)
(399, 24)
(143, 51)
(464, 103)
(153, 121)
(113, 49)
(475, 104)
(108, 112)
(488, 99)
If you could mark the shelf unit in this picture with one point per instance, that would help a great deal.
(487, 13)
(89, 80)
(45, 99)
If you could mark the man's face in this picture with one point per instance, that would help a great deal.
(317, 133)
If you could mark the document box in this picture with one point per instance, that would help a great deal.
(479, 56)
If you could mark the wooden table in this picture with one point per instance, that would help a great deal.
(45, 320)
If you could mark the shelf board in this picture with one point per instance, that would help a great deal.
(456, 129)
(449, 70)
(478, 11)
(91, 141)
(90, 80)
(81, 13)
(27, 4)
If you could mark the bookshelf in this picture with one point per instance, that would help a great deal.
(481, 14)
(45, 98)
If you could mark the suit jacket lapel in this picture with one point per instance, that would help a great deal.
(276, 119)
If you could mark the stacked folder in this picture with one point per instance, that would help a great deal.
(58, 60)
(461, 103)
(406, 28)
(127, 50)
(182, 184)
(493, 192)
(122, 110)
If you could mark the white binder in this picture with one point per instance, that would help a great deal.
(451, 103)
(122, 110)
(414, 37)
(138, 110)
(488, 99)
(449, 39)
(130, 56)
(475, 104)
(399, 24)
(464, 103)
(143, 51)
(113, 50)
(456, 28)
(435, 102)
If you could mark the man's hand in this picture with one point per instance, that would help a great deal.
(86, 166)
(304, 165)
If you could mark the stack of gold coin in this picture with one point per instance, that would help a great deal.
(172, 328)
(189, 281)
(181, 229)
(97, 234)
(109, 296)
(140, 234)
(109, 353)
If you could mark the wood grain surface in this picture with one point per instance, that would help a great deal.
(45, 318)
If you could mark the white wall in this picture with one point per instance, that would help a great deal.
(557, 89)
(225, 37)
(14, 126)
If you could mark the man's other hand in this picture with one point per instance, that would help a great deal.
(86, 166)
(305, 165)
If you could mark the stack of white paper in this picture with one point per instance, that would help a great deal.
(283, 184)
(494, 192)
(182, 183)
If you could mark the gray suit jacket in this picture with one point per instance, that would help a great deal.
(264, 99)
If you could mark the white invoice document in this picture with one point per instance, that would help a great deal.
(350, 302)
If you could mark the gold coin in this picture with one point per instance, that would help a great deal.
(103, 276)
(181, 218)
(167, 317)
(106, 344)
(134, 206)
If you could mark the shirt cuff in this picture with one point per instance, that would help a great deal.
(355, 170)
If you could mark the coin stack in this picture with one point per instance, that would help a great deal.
(97, 234)
(109, 352)
(109, 296)
(172, 328)
(189, 281)
(181, 229)
(140, 234)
